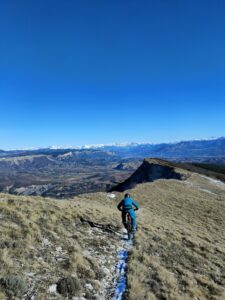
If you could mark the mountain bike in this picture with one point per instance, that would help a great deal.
(129, 226)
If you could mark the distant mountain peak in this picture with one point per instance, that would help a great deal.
(121, 146)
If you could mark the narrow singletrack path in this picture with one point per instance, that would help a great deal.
(120, 279)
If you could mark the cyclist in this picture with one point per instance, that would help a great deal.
(126, 206)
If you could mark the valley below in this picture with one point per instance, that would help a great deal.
(63, 175)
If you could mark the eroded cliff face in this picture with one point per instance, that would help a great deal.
(150, 170)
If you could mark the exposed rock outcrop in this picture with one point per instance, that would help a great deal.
(150, 170)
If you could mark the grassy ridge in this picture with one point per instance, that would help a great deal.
(179, 249)
(211, 170)
(211, 167)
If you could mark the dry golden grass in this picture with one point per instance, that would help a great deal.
(179, 249)
(43, 240)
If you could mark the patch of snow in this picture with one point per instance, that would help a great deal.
(120, 276)
(66, 155)
(93, 146)
(46, 242)
(217, 182)
(207, 191)
(112, 196)
(106, 271)
(89, 286)
(86, 253)
(191, 185)
(59, 259)
(58, 249)
(59, 147)
(30, 274)
(52, 288)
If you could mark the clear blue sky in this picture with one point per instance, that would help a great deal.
(100, 71)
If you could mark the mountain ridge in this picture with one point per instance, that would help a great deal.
(97, 146)
(183, 150)
(154, 169)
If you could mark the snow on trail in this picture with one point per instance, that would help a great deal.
(120, 279)
(216, 182)
(207, 184)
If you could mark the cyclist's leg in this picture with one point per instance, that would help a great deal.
(124, 219)
(133, 219)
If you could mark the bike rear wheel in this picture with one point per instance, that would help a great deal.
(129, 227)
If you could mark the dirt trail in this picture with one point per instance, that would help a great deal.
(120, 279)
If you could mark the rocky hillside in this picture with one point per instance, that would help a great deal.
(34, 162)
(150, 170)
(153, 169)
(128, 165)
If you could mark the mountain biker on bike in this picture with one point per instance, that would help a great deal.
(126, 206)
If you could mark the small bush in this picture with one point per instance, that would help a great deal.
(13, 285)
(69, 286)
(8, 244)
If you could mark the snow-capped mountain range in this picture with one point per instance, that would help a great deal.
(101, 146)
(213, 147)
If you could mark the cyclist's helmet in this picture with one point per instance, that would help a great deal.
(127, 195)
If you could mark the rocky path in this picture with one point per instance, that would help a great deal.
(120, 279)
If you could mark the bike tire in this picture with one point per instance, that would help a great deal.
(129, 227)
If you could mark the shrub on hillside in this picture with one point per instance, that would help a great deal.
(13, 285)
(69, 286)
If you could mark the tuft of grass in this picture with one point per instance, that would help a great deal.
(69, 286)
(5, 259)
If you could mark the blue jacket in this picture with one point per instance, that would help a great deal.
(127, 204)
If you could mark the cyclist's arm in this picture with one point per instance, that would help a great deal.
(134, 203)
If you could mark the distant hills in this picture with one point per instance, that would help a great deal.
(62, 173)
(198, 150)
